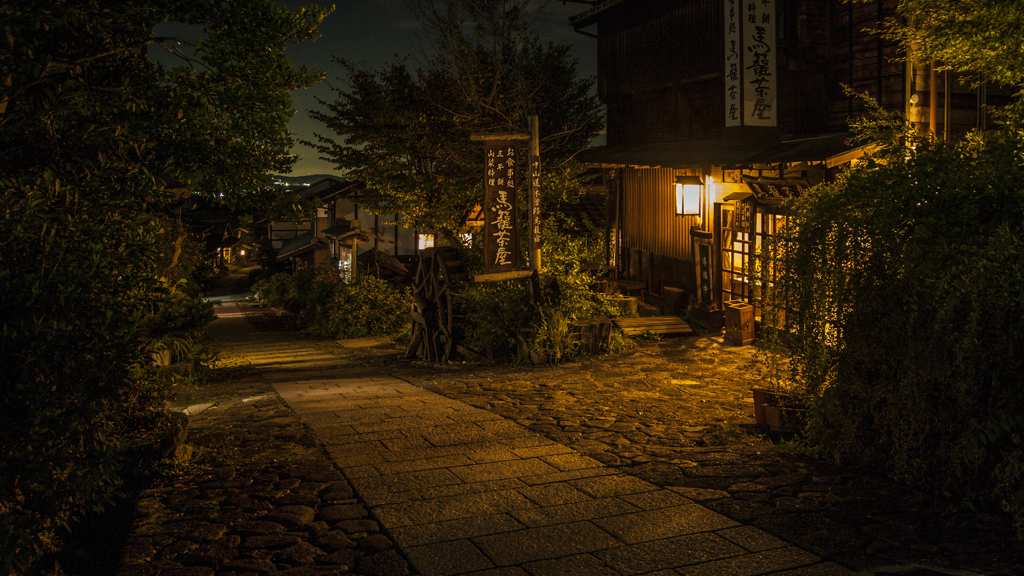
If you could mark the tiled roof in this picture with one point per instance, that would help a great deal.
(297, 245)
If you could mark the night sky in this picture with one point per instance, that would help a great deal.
(378, 32)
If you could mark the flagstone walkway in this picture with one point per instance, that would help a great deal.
(463, 491)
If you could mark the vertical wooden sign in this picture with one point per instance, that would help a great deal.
(501, 238)
(733, 61)
(751, 79)
(760, 81)
(704, 269)
(535, 235)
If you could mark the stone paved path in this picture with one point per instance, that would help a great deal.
(464, 491)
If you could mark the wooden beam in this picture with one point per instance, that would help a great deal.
(502, 276)
(850, 155)
(499, 136)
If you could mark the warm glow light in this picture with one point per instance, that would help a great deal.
(709, 197)
(688, 195)
(426, 241)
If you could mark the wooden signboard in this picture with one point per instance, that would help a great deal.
(760, 79)
(534, 193)
(751, 79)
(733, 60)
(501, 238)
(704, 269)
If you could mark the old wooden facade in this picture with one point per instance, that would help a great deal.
(326, 238)
(669, 72)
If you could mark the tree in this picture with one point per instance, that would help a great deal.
(974, 36)
(406, 133)
(98, 140)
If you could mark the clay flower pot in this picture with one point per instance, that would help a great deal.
(779, 412)
(162, 357)
(762, 398)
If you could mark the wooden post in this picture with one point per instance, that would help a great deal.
(355, 257)
(946, 106)
(933, 97)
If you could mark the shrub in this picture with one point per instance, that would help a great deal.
(908, 281)
(369, 307)
(329, 307)
(274, 290)
(73, 280)
(181, 315)
(495, 313)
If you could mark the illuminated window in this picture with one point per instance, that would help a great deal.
(426, 241)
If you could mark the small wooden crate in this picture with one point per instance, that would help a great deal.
(739, 323)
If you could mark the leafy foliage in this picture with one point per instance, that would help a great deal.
(329, 307)
(496, 312)
(97, 141)
(906, 287)
(977, 37)
(906, 301)
(406, 133)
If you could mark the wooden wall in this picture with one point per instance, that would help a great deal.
(660, 67)
(660, 70)
(649, 219)
(862, 60)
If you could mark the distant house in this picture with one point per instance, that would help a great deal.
(223, 239)
(328, 237)
(741, 102)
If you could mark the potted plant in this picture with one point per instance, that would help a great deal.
(167, 349)
(777, 406)
(163, 351)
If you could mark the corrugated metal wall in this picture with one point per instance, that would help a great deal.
(649, 220)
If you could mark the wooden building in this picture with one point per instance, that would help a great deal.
(749, 97)
(327, 236)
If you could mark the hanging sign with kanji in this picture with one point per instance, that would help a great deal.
(534, 201)
(501, 240)
(760, 81)
(704, 253)
(733, 61)
(751, 79)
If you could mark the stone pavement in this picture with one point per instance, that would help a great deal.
(258, 495)
(462, 490)
(678, 414)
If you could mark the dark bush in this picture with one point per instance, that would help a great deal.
(908, 278)
(330, 307)
(72, 383)
(496, 313)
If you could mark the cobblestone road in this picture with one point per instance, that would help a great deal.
(263, 497)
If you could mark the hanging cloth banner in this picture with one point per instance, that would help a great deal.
(501, 237)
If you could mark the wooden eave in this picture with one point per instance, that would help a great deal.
(830, 150)
(591, 16)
